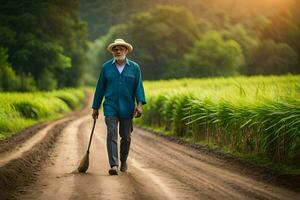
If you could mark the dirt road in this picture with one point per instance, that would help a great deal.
(158, 169)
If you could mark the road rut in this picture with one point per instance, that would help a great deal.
(158, 169)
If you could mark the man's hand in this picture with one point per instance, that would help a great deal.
(95, 114)
(138, 110)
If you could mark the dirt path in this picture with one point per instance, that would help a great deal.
(158, 169)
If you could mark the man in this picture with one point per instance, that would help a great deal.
(120, 82)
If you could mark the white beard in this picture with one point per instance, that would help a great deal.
(120, 58)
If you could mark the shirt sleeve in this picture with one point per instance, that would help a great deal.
(99, 92)
(140, 93)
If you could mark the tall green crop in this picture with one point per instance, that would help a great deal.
(257, 115)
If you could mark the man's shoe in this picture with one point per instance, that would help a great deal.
(113, 170)
(123, 167)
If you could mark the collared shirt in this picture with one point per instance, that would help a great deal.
(121, 90)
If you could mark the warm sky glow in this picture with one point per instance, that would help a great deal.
(258, 3)
(269, 2)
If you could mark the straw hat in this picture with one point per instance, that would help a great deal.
(119, 42)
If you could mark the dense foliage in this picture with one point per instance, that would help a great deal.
(42, 44)
(198, 38)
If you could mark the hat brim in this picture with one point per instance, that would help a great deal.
(124, 44)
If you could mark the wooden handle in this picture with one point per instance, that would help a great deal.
(88, 150)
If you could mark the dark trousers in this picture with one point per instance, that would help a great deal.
(125, 129)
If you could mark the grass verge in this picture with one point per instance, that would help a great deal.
(20, 110)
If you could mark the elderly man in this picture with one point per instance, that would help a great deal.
(120, 82)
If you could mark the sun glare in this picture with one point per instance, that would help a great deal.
(270, 2)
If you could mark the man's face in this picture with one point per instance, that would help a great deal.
(119, 52)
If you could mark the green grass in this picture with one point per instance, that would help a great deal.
(20, 110)
(251, 115)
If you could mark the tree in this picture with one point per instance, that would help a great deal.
(44, 40)
(274, 58)
(8, 79)
(247, 40)
(284, 27)
(160, 42)
(158, 32)
(212, 55)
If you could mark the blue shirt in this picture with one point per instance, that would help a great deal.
(121, 90)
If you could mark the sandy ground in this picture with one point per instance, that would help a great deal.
(157, 169)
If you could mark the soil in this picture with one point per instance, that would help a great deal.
(43, 166)
(261, 172)
(20, 137)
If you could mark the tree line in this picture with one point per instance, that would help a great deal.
(42, 45)
(197, 38)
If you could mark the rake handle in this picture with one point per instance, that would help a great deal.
(88, 150)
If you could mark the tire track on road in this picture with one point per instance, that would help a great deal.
(158, 169)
